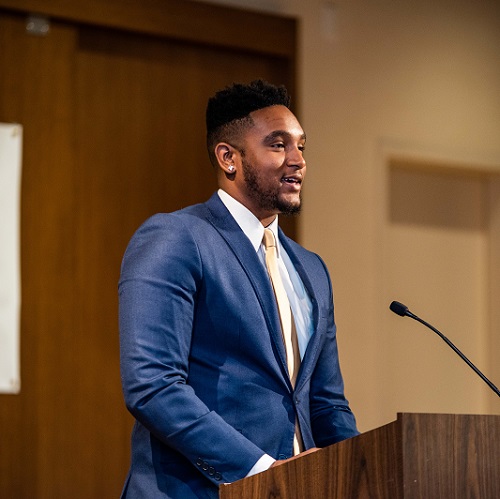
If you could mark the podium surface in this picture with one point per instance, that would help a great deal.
(424, 456)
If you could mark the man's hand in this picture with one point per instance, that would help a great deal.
(282, 461)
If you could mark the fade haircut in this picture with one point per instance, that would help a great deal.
(228, 111)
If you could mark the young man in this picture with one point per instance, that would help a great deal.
(228, 341)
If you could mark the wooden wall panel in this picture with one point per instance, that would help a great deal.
(113, 132)
(189, 21)
(35, 90)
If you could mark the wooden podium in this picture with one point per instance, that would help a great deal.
(425, 456)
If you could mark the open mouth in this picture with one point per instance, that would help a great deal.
(292, 180)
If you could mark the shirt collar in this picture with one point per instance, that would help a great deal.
(247, 221)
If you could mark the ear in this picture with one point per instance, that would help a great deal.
(226, 156)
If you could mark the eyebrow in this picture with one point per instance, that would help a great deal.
(281, 133)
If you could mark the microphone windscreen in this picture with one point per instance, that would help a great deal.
(398, 308)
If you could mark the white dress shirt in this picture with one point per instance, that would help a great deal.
(300, 302)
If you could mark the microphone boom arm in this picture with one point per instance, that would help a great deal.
(402, 310)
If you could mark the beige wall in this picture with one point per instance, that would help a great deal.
(415, 85)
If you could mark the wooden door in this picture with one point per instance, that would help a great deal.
(113, 133)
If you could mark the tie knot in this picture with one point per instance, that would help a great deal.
(269, 240)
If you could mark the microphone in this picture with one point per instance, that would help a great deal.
(402, 310)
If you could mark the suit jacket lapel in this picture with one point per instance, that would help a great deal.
(312, 351)
(224, 223)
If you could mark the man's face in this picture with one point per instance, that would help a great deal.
(272, 164)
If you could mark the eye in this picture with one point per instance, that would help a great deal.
(278, 145)
(302, 148)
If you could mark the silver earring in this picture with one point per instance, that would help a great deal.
(230, 168)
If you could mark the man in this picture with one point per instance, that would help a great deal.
(224, 375)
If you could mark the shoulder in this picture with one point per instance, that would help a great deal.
(186, 221)
(172, 226)
(165, 241)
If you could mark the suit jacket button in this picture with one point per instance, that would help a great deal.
(199, 462)
(204, 467)
(217, 476)
(211, 471)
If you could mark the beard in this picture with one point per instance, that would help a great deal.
(267, 197)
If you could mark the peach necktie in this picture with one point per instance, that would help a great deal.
(286, 318)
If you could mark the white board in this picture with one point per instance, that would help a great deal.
(10, 279)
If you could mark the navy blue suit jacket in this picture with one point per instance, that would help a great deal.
(202, 358)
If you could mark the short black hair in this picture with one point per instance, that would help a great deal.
(228, 111)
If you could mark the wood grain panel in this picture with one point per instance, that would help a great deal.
(360, 468)
(113, 132)
(451, 455)
(36, 92)
(180, 19)
(419, 456)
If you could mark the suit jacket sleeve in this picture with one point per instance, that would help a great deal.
(161, 276)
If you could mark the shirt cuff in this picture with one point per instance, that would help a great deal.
(263, 464)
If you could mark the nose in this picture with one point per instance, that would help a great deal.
(296, 158)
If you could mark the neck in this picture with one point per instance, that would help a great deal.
(266, 222)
